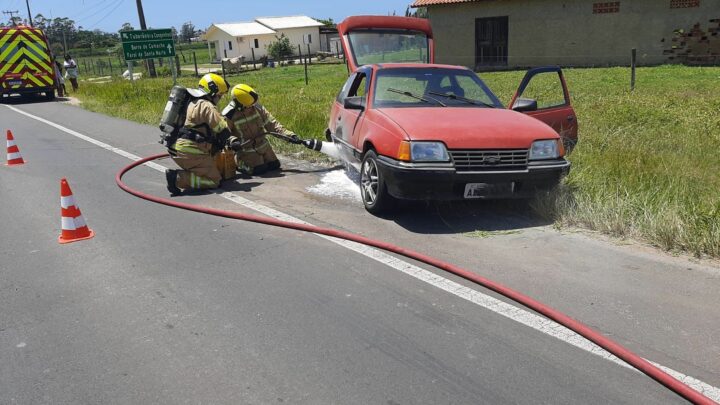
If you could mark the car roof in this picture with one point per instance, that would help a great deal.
(418, 65)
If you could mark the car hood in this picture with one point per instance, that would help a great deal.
(470, 128)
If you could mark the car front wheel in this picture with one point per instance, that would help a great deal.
(372, 186)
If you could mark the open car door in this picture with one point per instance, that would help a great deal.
(380, 39)
(543, 94)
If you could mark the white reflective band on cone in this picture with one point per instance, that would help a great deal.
(10, 143)
(13, 156)
(67, 202)
(68, 224)
(79, 222)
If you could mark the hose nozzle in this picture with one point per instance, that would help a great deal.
(314, 144)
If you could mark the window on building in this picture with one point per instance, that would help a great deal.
(230, 45)
(684, 3)
(606, 7)
(309, 38)
(257, 43)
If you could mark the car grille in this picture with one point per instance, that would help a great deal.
(489, 160)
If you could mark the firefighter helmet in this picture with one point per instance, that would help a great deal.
(213, 85)
(244, 95)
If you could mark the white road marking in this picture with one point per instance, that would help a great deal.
(509, 311)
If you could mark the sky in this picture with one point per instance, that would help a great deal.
(109, 15)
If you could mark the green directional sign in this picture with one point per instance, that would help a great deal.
(147, 44)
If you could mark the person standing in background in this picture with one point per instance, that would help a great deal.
(71, 71)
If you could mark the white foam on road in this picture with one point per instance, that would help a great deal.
(495, 305)
(338, 184)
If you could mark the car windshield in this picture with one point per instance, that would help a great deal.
(407, 87)
(384, 46)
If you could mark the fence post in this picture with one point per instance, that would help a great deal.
(195, 63)
(308, 55)
(100, 66)
(633, 59)
(110, 65)
(300, 53)
(337, 51)
(222, 64)
(252, 51)
(93, 66)
(183, 56)
(306, 74)
(177, 65)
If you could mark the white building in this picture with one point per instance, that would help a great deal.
(233, 40)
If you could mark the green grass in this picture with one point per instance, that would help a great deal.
(647, 165)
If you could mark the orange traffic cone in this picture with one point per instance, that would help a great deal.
(74, 227)
(13, 153)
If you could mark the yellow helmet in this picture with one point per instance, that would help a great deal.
(213, 84)
(244, 95)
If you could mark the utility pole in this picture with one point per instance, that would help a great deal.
(12, 19)
(27, 3)
(141, 15)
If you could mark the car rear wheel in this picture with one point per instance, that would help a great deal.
(372, 186)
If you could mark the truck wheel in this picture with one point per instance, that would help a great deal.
(49, 95)
(373, 191)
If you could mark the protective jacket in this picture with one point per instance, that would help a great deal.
(203, 119)
(252, 123)
(205, 132)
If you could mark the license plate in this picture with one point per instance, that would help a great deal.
(14, 82)
(479, 190)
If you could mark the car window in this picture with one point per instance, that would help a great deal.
(403, 87)
(384, 46)
(346, 87)
(359, 88)
(547, 89)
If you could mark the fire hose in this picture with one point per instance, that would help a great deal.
(592, 335)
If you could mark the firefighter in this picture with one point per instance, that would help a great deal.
(249, 122)
(204, 134)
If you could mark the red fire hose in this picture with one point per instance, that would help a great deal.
(557, 316)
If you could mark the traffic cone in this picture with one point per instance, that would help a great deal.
(13, 153)
(74, 227)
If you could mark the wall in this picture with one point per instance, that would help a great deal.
(221, 39)
(296, 38)
(566, 32)
(248, 42)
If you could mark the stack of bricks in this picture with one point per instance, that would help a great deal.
(696, 47)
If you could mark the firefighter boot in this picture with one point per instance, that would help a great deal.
(171, 177)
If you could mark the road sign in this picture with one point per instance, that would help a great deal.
(147, 44)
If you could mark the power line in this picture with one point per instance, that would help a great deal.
(91, 10)
(117, 5)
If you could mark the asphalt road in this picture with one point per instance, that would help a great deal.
(168, 306)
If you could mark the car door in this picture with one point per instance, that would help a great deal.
(348, 119)
(543, 95)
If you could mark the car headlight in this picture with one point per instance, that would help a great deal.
(428, 152)
(546, 149)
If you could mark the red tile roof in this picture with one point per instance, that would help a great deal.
(423, 3)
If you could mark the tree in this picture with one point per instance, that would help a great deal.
(175, 36)
(187, 31)
(280, 48)
(326, 22)
(420, 12)
(127, 27)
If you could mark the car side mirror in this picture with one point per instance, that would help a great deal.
(525, 104)
(354, 103)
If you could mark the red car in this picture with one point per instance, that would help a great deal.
(423, 131)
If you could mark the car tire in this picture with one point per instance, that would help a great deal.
(373, 190)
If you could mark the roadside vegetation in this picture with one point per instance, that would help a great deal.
(646, 166)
